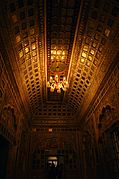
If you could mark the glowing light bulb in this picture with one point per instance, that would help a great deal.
(59, 90)
(48, 84)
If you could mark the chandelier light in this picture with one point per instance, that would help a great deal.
(57, 84)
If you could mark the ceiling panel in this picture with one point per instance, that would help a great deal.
(74, 39)
(61, 25)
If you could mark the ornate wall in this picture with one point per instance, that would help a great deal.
(101, 131)
(11, 120)
(62, 143)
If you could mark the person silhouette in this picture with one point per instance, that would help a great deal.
(52, 171)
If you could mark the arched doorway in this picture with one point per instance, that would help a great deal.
(4, 149)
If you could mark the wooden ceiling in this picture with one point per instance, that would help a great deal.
(78, 39)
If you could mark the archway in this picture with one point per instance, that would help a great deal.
(4, 149)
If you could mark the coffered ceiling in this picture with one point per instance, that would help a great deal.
(75, 39)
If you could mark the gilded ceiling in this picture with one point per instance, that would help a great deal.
(75, 39)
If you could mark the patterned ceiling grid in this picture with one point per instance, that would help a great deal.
(61, 25)
(42, 35)
(72, 38)
(99, 44)
(27, 35)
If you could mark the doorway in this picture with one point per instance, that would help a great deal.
(55, 167)
(4, 149)
(52, 167)
(52, 160)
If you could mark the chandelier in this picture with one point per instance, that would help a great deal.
(55, 84)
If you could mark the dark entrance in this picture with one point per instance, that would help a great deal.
(4, 149)
(55, 167)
